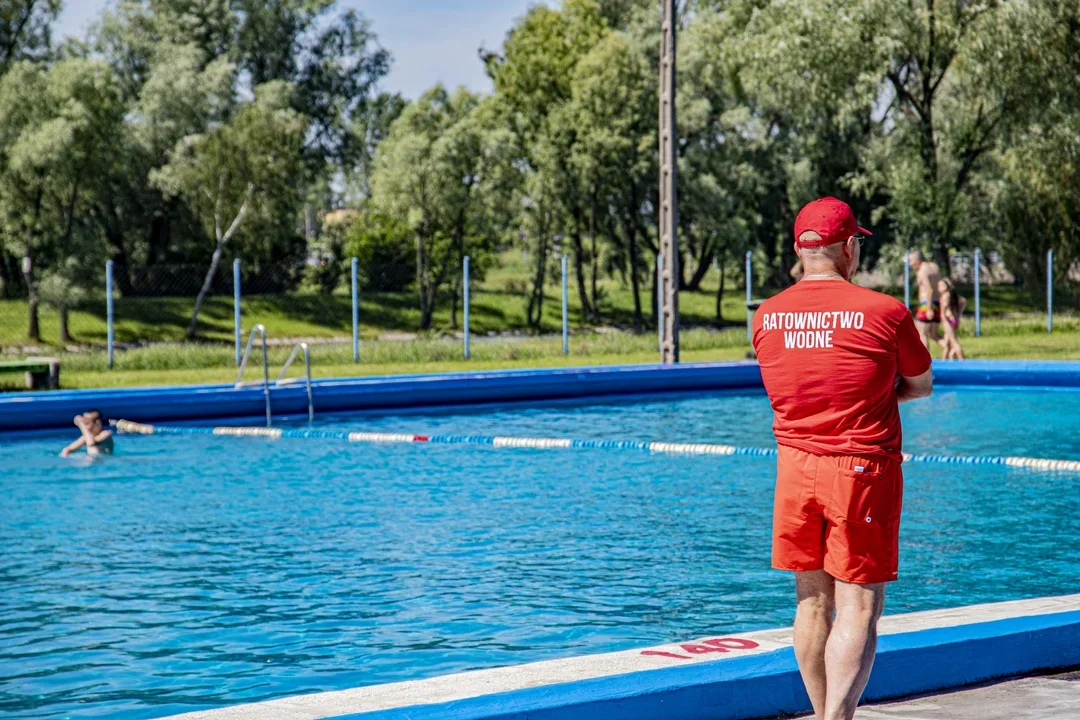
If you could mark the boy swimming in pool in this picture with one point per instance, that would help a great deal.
(96, 439)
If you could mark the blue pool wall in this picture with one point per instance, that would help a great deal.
(768, 684)
(54, 409)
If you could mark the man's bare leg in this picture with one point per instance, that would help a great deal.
(813, 621)
(849, 654)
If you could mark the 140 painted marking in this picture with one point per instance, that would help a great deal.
(713, 645)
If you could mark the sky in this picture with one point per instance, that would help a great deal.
(431, 40)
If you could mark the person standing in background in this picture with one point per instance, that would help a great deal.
(928, 313)
(952, 309)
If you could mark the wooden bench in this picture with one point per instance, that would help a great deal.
(39, 372)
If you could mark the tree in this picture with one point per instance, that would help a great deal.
(63, 288)
(370, 128)
(916, 95)
(25, 32)
(243, 167)
(613, 110)
(1034, 185)
(382, 246)
(533, 81)
(59, 125)
(186, 66)
(427, 171)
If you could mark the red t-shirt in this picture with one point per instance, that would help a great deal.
(829, 353)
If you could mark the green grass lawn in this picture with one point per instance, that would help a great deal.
(1012, 328)
(497, 305)
(1017, 338)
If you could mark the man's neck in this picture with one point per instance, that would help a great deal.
(822, 271)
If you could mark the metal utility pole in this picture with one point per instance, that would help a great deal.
(669, 212)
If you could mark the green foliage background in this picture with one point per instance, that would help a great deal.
(192, 132)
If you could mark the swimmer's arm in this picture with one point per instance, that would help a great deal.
(89, 440)
(913, 388)
(73, 447)
(104, 441)
(946, 307)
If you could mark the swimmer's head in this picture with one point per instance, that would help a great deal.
(93, 420)
(944, 285)
(915, 259)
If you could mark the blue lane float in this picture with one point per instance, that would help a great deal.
(54, 409)
(497, 441)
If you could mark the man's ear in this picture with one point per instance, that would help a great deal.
(797, 251)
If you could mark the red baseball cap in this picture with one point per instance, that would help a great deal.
(830, 218)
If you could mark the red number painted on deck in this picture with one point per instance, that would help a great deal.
(712, 645)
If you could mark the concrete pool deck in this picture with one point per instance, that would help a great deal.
(743, 675)
(1031, 698)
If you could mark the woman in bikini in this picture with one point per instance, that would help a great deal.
(952, 308)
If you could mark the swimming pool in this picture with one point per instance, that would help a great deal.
(186, 573)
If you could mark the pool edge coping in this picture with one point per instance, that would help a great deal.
(919, 652)
(21, 412)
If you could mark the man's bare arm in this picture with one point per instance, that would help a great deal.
(73, 447)
(913, 388)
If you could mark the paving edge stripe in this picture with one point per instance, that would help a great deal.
(768, 684)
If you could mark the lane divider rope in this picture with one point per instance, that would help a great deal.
(667, 448)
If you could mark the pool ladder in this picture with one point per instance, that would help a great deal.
(260, 330)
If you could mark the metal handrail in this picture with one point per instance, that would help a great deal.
(307, 375)
(261, 330)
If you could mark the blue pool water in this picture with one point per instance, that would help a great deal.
(186, 573)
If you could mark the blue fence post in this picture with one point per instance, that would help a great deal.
(749, 294)
(1050, 291)
(660, 302)
(465, 271)
(565, 312)
(109, 316)
(978, 307)
(907, 279)
(355, 315)
(238, 331)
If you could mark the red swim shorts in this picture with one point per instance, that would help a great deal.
(838, 513)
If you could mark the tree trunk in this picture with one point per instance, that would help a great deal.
(222, 239)
(455, 292)
(65, 336)
(535, 312)
(579, 274)
(459, 245)
(33, 329)
(428, 316)
(425, 317)
(421, 288)
(720, 296)
(205, 289)
(579, 265)
(121, 269)
(631, 240)
(595, 257)
(9, 275)
(655, 289)
(941, 252)
(704, 260)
